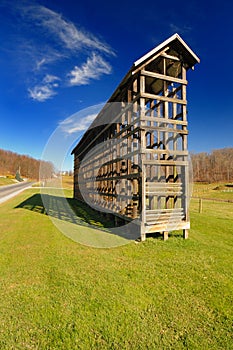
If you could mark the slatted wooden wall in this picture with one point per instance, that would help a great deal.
(136, 165)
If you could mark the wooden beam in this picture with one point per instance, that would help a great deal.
(165, 121)
(170, 57)
(165, 151)
(162, 98)
(167, 162)
(150, 60)
(165, 129)
(164, 77)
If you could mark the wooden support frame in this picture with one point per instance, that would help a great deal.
(136, 167)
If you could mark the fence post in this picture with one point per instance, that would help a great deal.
(200, 205)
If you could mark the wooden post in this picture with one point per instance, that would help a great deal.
(143, 234)
(200, 205)
(165, 235)
(143, 204)
(185, 233)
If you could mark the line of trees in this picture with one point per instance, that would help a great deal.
(29, 167)
(216, 166)
(207, 167)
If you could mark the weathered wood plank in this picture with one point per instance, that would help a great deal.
(154, 57)
(166, 162)
(165, 129)
(170, 57)
(162, 98)
(164, 77)
(165, 121)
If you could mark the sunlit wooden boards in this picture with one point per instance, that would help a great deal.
(133, 161)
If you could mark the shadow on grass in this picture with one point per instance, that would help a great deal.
(78, 213)
(67, 209)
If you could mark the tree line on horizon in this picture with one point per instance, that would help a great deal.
(216, 166)
(11, 163)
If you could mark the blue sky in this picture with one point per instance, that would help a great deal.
(59, 57)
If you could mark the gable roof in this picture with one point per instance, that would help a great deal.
(176, 42)
(173, 43)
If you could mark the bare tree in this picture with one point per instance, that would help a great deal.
(11, 162)
(213, 167)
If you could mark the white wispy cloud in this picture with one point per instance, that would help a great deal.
(40, 63)
(69, 35)
(180, 29)
(93, 68)
(41, 93)
(43, 56)
(45, 90)
(50, 78)
(80, 121)
(79, 125)
(55, 39)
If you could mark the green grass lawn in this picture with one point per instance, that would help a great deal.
(213, 191)
(5, 181)
(58, 294)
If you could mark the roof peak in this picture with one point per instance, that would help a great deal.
(163, 45)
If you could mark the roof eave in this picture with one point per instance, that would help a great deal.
(162, 46)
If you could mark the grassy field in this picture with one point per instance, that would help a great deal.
(57, 294)
(221, 191)
(67, 182)
(5, 181)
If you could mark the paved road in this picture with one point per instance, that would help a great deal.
(7, 192)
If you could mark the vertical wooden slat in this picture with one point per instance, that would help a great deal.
(162, 96)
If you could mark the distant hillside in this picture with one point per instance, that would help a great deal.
(11, 162)
(207, 167)
(213, 167)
